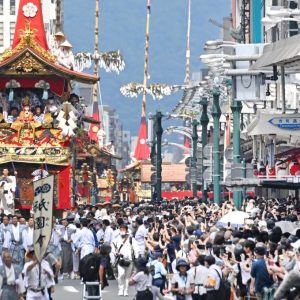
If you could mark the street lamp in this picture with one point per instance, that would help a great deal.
(204, 120)
(216, 113)
(194, 158)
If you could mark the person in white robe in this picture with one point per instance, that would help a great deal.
(55, 41)
(76, 255)
(36, 291)
(54, 246)
(7, 191)
(4, 238)
(67, 248)
(86, 241)
(11, 281)
(17, 243)
(65, 56)
(108, 231)
(28, 234)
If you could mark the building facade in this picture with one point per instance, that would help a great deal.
(8, 15)
(116, 135)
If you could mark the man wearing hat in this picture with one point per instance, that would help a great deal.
(65, 56)
(183, 284)
(56, 41)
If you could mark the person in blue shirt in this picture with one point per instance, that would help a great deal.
(158, 271)
(260, 277)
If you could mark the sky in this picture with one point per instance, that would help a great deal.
(122, 26)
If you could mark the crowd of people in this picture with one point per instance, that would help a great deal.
(180, 249)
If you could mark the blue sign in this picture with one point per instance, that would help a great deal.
(289, 123)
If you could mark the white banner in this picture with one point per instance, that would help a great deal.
(43, 213)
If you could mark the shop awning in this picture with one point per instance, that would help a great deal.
(284, 52)
(275, 124)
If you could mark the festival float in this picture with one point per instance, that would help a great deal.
(40, 115)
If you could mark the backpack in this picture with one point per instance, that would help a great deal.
(152, 269)
(224, 291)
(242, 288)
(89, 267)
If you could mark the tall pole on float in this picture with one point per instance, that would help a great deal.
(94, 192)
(188, 43)
(187, 79)
(96, 50)
(58, 11)
(146, 59)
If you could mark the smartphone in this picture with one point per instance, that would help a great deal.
(201, 247)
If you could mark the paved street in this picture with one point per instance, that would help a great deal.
(72, 290)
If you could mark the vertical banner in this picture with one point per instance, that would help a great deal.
(42, 213)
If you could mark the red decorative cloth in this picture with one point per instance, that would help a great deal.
(30, 11)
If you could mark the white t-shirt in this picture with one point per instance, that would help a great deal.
(200, 277)
(245, 275)
(184, 282)
(142, 281)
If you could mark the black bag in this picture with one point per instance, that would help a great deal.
(144, 295)
(124, 262)
(224, 290)
(242, 291)
(180, 297)
(89, 267)
(121, 261)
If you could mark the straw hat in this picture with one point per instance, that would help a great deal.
(116, 206)
(59, 34)
(66, 44)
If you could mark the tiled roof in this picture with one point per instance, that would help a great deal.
(170, 172)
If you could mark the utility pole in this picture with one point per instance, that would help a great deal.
(159, 133)
(194, 158)
(216, 113)
(204, 120)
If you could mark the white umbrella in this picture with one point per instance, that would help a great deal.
(235, 218)
(287, 226)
